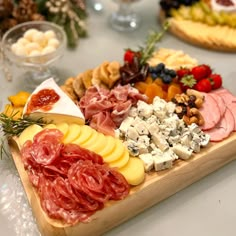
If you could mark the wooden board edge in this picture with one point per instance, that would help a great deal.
(158, 187)
(179, 32)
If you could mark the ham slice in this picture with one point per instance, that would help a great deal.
(230, 101)
(211, 112)
(220, 101)
(224, 128)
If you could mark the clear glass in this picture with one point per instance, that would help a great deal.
(96, 5)
(36, 68)
(125, 19)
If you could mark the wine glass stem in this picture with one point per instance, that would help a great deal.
(124, 9)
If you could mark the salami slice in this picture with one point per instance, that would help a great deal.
(74, 151)
(48, 135)
(72, 182)
(88, 178)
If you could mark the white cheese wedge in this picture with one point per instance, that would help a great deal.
(63, 110)
(219, 7)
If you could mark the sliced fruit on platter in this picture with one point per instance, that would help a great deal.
(203, 23)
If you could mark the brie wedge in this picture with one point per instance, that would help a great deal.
(49, 102)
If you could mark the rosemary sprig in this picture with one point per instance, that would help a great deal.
(150, 44)
(3, 149)
(12, 127)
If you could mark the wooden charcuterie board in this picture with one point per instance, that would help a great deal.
(157, 187)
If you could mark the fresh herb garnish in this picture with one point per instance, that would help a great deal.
(150, 44)
(14, 127)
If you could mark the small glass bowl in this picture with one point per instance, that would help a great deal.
(37, 66)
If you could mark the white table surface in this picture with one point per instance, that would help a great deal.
(205, 208)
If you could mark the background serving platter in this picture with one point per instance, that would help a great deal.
(204, 208)
(157, 187)
(217, 37)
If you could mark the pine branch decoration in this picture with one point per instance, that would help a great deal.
(70, 14)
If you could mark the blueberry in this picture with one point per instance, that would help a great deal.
(160, 67)
(162, 74)
(167, 79)
(151, 69)
(172, 73)
(153, 75)
(166, 71)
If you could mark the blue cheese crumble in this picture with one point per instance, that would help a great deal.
(155, 134)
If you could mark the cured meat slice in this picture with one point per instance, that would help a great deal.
(99, 182)
(210, 111)
(116, 185)
(224, 128)
(74, 151)
(45, 135)
(72, 182)
(57, 202)
(230, 101)
(102, 122)
(219, 90)
(220, 101)
(120, 112)
(88, 178)
(112, 106)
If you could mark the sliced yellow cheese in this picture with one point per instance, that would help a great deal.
(50, 126)
(117, 152)
(93, 138)
(121, 162)
(63, 127)
(99, 145)
(133, 171)
(72, 134)
(108, 147)
(85, 133)
(29, 133)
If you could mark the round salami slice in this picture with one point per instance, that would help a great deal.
(72, 182)
(88, 177)
(51, 135)
(58, 203)
(116, 185)
(46, 153)
(74, 151)
(46, 146)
